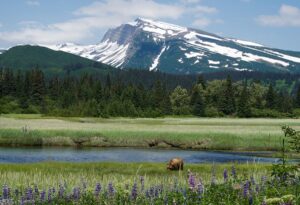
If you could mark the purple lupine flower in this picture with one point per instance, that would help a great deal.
(49, 196)
(156, 192)
(233, 171)
(61, 191)
(246, 189)
(134, 191)
(200, 188)
(97, 189)
(29, 193)
(22, 201)
(225, 175)
(5, 192)
(264, 202)
(147, 194)
(111, 190)
(43, 196)
(76, 193)
(192, 181)
(36, 190)
(142, 181)
(151, 191)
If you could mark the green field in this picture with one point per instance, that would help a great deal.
(53, 173)
(184, 133)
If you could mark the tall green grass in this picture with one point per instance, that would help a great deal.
(191, 133)
(54, 173)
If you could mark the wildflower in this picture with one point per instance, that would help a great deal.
(76, 193)
(147, 194)
(29, 194)
(263, 179)
(246, 189)
(200, 188)
(225, 175)
(49, 196)
(151, 191)
(97, 189)
(5, 192)
(36, 190)
(61, 191)
(156, 192)
(43, 196)
(111, 189)
(192, 181)
(22, 202)
(134, 192)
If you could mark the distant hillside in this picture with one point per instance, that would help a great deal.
(51, 62)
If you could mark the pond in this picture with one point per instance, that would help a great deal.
(63, 154)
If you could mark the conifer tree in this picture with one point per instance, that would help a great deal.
(244, 108)
(271, 98)
(297, 100)
(227, 101)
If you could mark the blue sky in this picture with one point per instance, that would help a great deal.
(274, 23)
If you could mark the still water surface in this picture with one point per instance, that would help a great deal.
(27, 155)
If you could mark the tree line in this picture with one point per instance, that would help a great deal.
(89, 95)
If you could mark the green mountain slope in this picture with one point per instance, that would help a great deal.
(51, 62)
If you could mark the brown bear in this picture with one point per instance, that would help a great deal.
(175, 164)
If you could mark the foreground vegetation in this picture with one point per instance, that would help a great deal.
(144, 183)
(92, 96)
(185, 133)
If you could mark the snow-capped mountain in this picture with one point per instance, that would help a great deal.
(155, 45)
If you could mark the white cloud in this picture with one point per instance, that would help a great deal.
(200, 10)
(189, 1)
(132, 8)
(33, 3)
(288, 16)
(102, 15)
(204, 22)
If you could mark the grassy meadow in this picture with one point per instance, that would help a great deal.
(185, 133)
(143, 183)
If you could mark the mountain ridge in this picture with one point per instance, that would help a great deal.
(155, 45)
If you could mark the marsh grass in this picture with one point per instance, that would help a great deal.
(193, 133)
(53, 173)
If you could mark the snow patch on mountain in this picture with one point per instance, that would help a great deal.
(156, 60)
(284, 56)
(213, 62)
(246, 43)
(194, 55)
